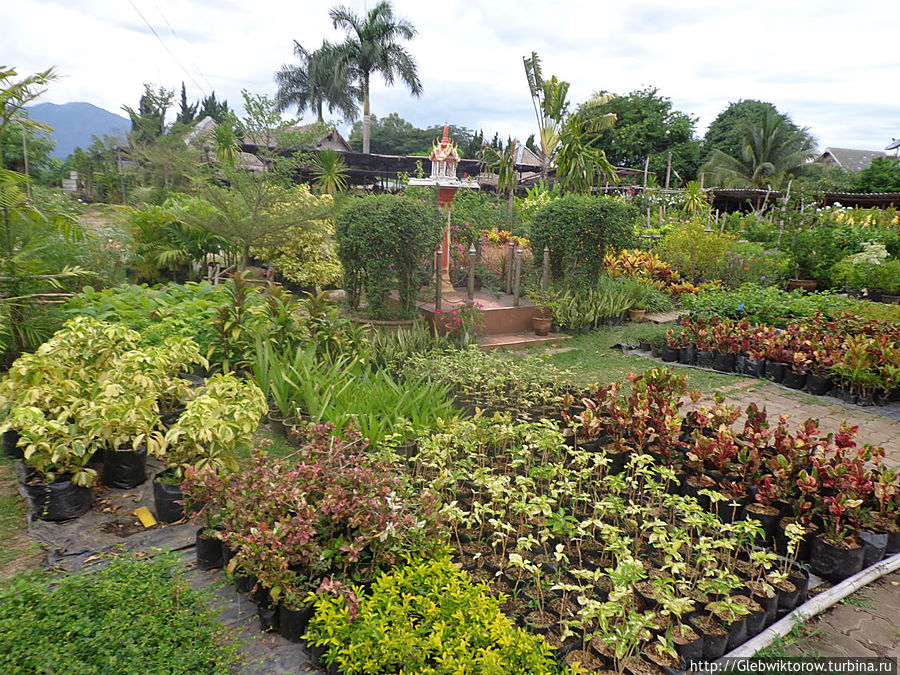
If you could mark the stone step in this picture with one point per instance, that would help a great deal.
(518, 340)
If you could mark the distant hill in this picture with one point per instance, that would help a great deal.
(75, 123)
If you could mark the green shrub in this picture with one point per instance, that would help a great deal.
(383, 241)
(578, 231)
(774, 307)
(425, 617)
(134, 616)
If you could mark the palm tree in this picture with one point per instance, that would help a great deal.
(578, 160)
(371, 47)
(14, 96)
(771, 152)
(330, 171)
(319, 79)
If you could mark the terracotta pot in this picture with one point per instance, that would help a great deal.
(637, 315)
(542, 325)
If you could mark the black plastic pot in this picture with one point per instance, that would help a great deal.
(292, 622)
(775, 371)
(643, 345)
(124, 468)
(804, 548)
(690, 652)
(243, 582)
(724, 363)
(670, 354)
(833, 562)
(169, 418)
(209, 552)
(767, 520)
(787, 599)
(737, 634)
(755, 367)
(771, 608)
(59, 500)
(893, 543)
(844, 394)
(268, 618)
(687, 356)
(655, 351)
(10, 447)
(740, 362)
(704, 358)
(167, 499)
(755, 622)
(793, 380)
(874, 546)
(714, 644)
(817, 385)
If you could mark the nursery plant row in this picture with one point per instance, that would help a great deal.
(855, 359)
(623, 532)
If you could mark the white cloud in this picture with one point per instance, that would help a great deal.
(829, 64)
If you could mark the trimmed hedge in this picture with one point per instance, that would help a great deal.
(383, 241)
(578, 230)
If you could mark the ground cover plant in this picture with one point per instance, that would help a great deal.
(153, 621)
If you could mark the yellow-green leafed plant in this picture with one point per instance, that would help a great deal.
(424, 617)
(53, 446)
(216, 422)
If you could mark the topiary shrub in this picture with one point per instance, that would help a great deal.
(578, 230)
(383, 242)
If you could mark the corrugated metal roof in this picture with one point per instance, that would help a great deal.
(852, 160)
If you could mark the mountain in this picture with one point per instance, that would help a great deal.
(75, 123)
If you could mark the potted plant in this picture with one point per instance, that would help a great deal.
(544, 299)
(222, 417)
(59, 487)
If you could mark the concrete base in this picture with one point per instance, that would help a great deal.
(518, 341)
(499, 314)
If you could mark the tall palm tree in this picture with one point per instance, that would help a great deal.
(14, 96)
(771, 152)
(371, 47)
(320, 79)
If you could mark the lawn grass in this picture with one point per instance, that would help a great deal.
(593, 358)
(19, 551)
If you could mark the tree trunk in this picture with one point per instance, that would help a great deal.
(367, 117)
(245, 257)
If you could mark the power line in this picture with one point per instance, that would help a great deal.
(174, 58)
(177, 37)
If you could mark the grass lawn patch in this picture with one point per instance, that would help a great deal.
(19, 552)
(591, 358)
(132, 616)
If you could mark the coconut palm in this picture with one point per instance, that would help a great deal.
(772, 151)
(372, 47)
(319, 80)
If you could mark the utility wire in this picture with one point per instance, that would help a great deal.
(177, 37)
(174, 58)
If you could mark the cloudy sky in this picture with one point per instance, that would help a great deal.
(832, 65)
